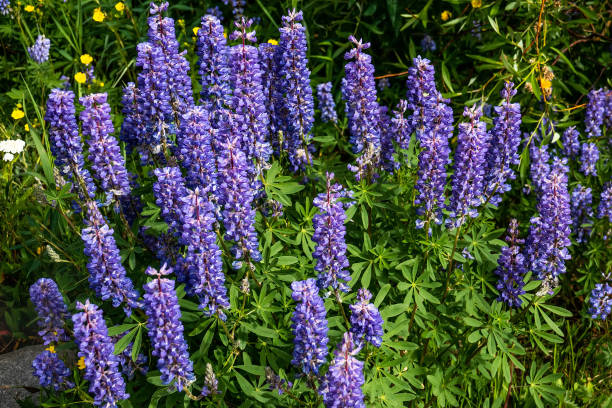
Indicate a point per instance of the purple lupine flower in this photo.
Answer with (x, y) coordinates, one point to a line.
(511, 269)
(96, 347)
(161, 34)
(433, 133)
(39, 52)
(51, 309)
(237, 7)
(601, 301)
(400, 127)
(571, 143)
(298, 98)
(129, 367)
(166, 330)
(213, 54)
(383, 83)
(194, 139)
(203, 258)
(608, 118)
(539, 165)
(211, 384)
(469, 170)
(327, 106)
(605, 203)
(329, 232)
(51, 371)
(236, 195)
(274, 88)
(215, 12)
(422, 95)
(309, 327)
(387, 149)
(428, 44)
(342, 384)
(588, 159)
(107, 276)
(582, 211)
(133, 128)
(366, 320)
(107, 162)
(359, 93)
(65, 140)
(505, 139)
(277, 383)
(247, 101)
(595, 112)
(549, 235)
(168, 191)
(5, 7)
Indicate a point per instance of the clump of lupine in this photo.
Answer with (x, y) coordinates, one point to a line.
(39, 51)
(189, 204)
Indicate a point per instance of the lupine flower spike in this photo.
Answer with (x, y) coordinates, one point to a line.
(571, 142)
(39, 52)
(582, 211)
(366, 321)
(512, 268)
(605, 203)
(51, 371)
(595, 112)
(51, 309)
(327, 106)
(601, 301)
(588, 159)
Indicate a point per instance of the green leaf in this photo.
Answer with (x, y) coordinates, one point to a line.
(137, 344)
(122, 328)
(286, 260)
(124, 341)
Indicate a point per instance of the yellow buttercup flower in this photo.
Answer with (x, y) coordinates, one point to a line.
(101, 83)
(29, 8)
(86, 59)
(476, 3)
(27, 127)
(195, 30)
(119, 6)
(80, 77)
(545, 82)
(51, 348)
(446, 15)
(224, 34)
(17, 114)
(81, 363)
(98, 15)
(272, 41)
(19, 105)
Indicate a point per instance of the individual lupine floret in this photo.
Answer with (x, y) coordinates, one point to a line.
(428, 43)
(39, 52)
(107, 276)
(366, 321)
(433, 158)
(51, 371)
(470, 167)
(5, 7)
(65, 141)
(571, 142)
(582, 211)
(359, 93)
(236, 195)
(298, 97)
(101, 366)
(133, 128)
(216, 12)
(166, 329)
(539, 165)
(588, 159)
(51, 309)
(605, 203)
(309, 327)
(326, 103)
(203, 258)
(342, 384)
(168, 191)
(601, 301)
(277, 383)
(595, 112)
(250, 116)
(400, 126)
(274, 87)
(387, 149)
(195, 150)
(505, 138)
(107, 162)
(161, 34)
(213, 54)
(211, 384)
(511, 269)
(329, 231)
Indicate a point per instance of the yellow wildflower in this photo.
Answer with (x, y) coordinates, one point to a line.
(51, 348)
(29, 8)
(86, 59)
(17, 114)
(224, 34)
(181, 22)
(119, 6)
(80, 77)
(98, 15)
(81, 363)
(101, 83)
(476, 3)
(545, 82)
(272, 41)
(446, 15)
(195, 30)
(27, 127)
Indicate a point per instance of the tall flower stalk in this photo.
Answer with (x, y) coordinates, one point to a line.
(51, 309)
(512, 268)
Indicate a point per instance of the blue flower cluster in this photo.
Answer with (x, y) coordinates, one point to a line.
(571, 142)
(601, 301)
(400, 125)
(309, 327)
(51, 309)
(5, 7)
(366, 321)
(582, 211)
(588, 159)
(327, 106)
(133, 128)
(605, 203)
(512, 268)
(51, 371)
(39, 51)
(387, 137)
(169, 190)
(595, 112)
(539, 165)
(329, 231)
(101, 366)
(195, 138)
(342, 384)
(166, 330)
(270, 60)
(428, 43)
